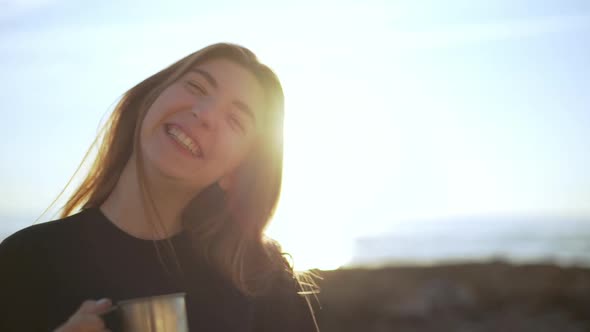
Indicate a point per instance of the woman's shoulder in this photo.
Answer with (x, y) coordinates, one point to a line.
(283, 277)
(288, 301)
(37, 233)
(286, 306)
(28, 263)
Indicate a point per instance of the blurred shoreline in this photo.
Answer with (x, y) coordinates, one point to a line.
(479, 296)
(562, 241)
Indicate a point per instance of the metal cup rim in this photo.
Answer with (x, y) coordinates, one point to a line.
(151, 298)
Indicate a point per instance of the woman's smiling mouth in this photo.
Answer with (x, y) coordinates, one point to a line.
(183, 140)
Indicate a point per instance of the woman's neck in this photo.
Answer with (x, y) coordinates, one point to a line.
(125, 207)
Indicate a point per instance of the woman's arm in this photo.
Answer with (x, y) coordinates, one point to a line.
(21, 284)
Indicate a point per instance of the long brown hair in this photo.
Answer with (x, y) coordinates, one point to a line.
(226, 228)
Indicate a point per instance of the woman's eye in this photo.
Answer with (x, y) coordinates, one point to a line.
(236, 123)
(196, 87)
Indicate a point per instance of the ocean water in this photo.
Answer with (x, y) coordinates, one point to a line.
(563, 241)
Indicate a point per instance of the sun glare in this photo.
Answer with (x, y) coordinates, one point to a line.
(309, 223)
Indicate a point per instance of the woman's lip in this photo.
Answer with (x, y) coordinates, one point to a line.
(181, 148)
(187, 133)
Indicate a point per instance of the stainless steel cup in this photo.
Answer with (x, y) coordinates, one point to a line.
(149, 314)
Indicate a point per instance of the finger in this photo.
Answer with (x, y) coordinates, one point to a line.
(90, 322)
(86, 307)
(94, 307)
(102, 306)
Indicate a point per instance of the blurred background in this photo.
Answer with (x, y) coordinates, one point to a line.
(425, 140)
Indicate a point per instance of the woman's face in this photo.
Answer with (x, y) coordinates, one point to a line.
(203, 125)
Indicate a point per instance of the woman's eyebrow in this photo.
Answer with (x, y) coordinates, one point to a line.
(207, 76)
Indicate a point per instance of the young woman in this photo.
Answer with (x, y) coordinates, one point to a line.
(187, 176)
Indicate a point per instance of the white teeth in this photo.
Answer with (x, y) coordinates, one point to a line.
(182, 138)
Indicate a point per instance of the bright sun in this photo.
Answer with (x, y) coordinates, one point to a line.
(305, 221)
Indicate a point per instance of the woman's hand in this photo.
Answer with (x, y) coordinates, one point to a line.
(87, 318)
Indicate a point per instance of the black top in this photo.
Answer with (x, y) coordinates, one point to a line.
(47, 270)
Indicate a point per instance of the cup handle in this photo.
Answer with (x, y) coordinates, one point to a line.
(112, 319)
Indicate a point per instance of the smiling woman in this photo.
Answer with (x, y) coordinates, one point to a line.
(187, 177)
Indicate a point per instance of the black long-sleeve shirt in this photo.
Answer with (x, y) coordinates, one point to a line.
(47, 270)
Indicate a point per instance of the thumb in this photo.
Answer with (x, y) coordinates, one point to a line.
(102, 306)
(95, 307)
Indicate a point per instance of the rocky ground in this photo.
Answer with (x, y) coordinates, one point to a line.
(464, 298)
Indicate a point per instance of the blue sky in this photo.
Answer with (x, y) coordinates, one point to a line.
(396, 110)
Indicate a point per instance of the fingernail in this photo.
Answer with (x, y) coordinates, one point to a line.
(103, 301)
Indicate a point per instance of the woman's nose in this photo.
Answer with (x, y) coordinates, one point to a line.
(205, 114)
